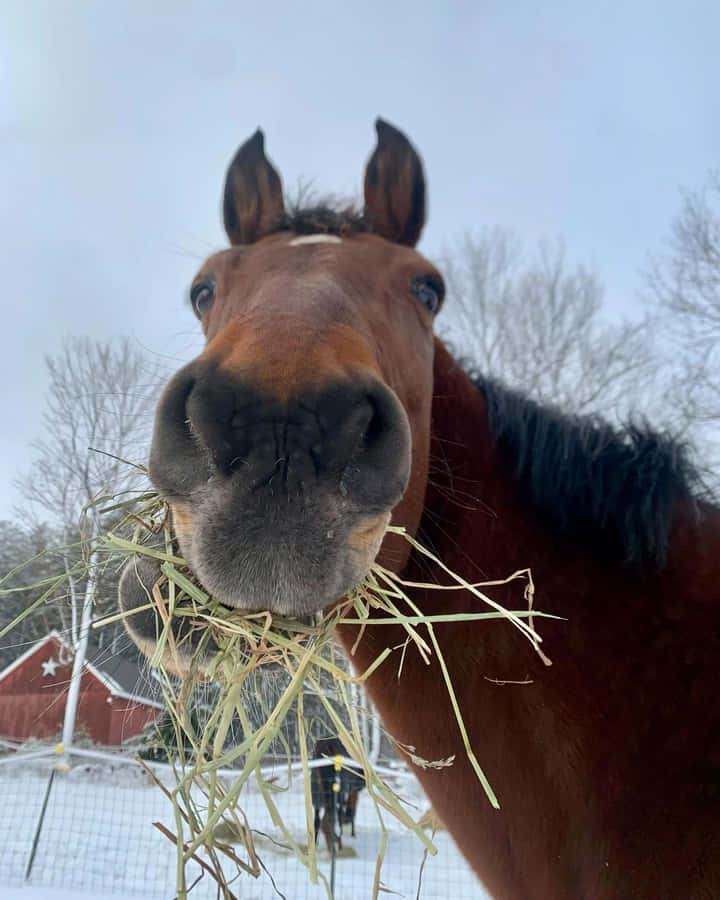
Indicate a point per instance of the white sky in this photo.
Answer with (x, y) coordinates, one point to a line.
(117, 121)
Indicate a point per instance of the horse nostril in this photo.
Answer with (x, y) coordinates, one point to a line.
(375, 427)
(219, 410)
(358, 425)
(376, 463)
(175, 464)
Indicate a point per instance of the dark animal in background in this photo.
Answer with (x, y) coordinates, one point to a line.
(352, 781)
(321, 782)
(321, 790)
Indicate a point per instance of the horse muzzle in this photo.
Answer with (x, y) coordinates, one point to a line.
(279, 505)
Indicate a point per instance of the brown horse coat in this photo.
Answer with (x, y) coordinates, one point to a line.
(321, 405)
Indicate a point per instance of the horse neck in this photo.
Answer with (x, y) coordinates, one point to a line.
(478, 519)
(559, 743)
(478, 523)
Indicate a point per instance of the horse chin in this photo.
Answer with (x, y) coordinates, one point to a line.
(293, 563)
(277, 581)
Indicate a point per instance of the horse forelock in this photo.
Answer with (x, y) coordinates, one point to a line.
(323, 219)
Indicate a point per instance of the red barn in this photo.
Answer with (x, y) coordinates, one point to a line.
(33, 691)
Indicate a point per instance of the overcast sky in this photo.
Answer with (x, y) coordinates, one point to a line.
(117, 121)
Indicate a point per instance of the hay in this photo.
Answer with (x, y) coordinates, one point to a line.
(206, 807)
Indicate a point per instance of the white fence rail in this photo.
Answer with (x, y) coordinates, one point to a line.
(97, 836)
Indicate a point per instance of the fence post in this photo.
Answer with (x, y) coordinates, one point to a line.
(41, 819)
(335, 814)
(80, 653)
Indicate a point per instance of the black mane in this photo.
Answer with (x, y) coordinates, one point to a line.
(614, 488)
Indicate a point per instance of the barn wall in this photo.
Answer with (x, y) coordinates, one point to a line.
(128, 718)
(30, 715)
(33, 704)
(94, 712)
(40, 714)
(28, 678)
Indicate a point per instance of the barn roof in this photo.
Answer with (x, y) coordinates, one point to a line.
(124, 678)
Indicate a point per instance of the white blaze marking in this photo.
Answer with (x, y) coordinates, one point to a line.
(315, 239)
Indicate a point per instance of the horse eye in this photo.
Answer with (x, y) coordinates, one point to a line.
(202, 295)
(429, 291)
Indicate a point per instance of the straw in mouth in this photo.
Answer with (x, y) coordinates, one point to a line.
(233, 647)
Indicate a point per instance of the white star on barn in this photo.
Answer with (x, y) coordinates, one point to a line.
(49, 667)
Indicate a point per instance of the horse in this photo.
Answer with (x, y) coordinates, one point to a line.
(323, 407)
(326, 808)
(350, 783)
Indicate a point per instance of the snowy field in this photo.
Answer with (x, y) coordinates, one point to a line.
(51, 893)
(98, 841)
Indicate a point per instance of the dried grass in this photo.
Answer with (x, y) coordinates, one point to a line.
(205, 805)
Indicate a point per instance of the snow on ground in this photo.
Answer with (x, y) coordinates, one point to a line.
(51, 893)
(98, 841)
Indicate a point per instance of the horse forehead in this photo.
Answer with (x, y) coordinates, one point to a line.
(316, 289)
(284, 274)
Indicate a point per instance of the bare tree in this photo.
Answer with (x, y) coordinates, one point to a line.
(684, 285)
(99, 406)
(27, 559)
(540, 326)
(98, 412)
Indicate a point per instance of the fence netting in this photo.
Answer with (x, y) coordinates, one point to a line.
(97, 836)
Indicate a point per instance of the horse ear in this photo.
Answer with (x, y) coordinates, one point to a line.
(395, 187)
(253, 198)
